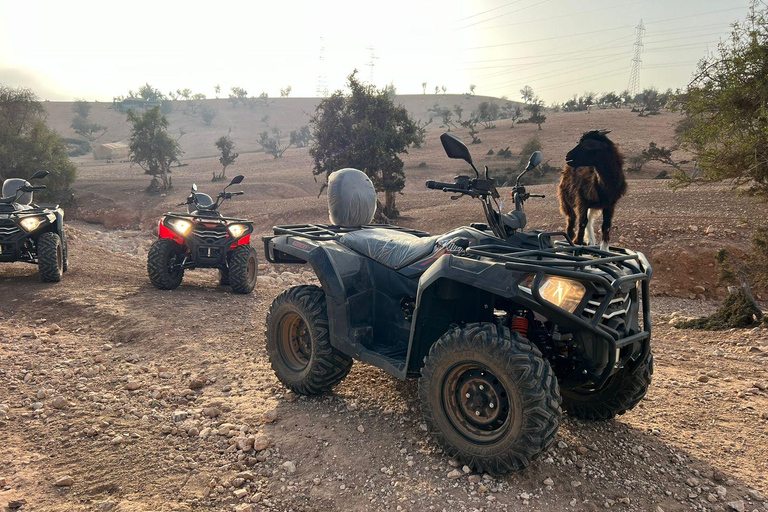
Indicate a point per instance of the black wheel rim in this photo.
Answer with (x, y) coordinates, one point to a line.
(174, 267)
(476, 403)
(294, 342)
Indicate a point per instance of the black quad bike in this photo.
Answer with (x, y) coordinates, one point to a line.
(203, 238)
(500, 325)
(30, 232)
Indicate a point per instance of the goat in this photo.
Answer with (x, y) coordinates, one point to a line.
(592, 180)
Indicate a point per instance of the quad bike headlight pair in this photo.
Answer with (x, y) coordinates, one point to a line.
(560, 291)
(236, 230)
(181, 226)
(31, 223)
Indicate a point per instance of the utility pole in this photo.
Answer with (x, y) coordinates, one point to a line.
(371, 63)
(637, 62)
(322, 86)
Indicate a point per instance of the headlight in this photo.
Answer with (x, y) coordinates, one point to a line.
(180, 226)
(560, 291)
(237, 229)
(31, 223)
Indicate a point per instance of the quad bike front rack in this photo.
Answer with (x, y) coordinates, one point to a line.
(609, 270)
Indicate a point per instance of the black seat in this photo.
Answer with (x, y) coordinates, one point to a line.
(393, 249)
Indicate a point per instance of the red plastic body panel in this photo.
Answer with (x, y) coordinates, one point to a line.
(164, 232)
(246, 240)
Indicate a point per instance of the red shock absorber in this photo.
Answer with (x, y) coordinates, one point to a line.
(520, 325)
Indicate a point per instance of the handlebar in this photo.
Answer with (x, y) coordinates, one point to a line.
(439, 185)
(537, 195)
(33, 188)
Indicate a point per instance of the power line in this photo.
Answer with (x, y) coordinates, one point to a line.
(564, 15)
(501, 15)
(489, 10)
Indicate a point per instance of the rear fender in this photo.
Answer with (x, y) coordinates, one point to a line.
(343, 274)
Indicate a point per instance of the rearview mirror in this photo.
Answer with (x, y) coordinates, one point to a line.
(454, 148)
(535, 160)
(39, 175)
(194, 187)
(237, 179)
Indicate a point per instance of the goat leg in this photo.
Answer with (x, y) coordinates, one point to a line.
(606, 228)
(592, 214)
(581, 212)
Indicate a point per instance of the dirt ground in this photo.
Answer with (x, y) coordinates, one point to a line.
(117, 396)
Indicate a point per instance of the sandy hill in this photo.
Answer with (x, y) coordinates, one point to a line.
(246, 123)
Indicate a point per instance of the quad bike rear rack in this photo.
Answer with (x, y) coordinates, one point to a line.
(327, 232)
(609, 269)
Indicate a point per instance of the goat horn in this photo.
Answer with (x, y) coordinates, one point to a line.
(603, 132)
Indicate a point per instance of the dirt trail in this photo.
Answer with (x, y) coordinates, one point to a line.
(153, 401)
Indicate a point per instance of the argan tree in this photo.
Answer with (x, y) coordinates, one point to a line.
(27, 145)
(284, 93)
(80, 124)
(81, 108)
(89, 131)
(527, 94)
(228, 156)
(367, 131)
(727, 107)
(536, 109)
(152, 148)
(272, 142)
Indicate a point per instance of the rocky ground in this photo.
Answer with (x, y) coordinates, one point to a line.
(117, 396)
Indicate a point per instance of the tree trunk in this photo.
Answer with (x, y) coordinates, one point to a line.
(390, 210)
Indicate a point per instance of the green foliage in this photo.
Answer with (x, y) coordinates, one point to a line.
(207, 114)
(737, 311)
(27, 145)
(727, 104)
(239, 95)
(284, 93)
(89, 131)
(76, 147)
(543, 173)
(152, 148)
(149, 93)
(302, 137)
(421, 133)
(527, 94)
(228, 156)
(487, 113)
(536, 109)
(272, 142)
(445, 113)
(650, 101)
(391, 90)
(654, 153)
(367, 131)
(81, 108)
(511, 111)
(753, 267)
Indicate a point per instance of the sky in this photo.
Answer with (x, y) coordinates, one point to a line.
(97, 50)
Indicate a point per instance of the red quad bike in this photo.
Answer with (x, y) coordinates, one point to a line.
(203, 238)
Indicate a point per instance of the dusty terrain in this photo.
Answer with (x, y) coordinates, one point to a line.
(117, 396)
